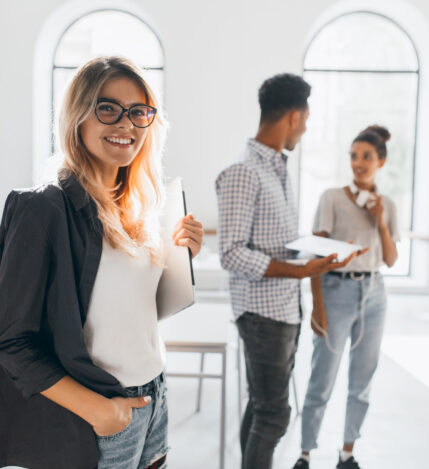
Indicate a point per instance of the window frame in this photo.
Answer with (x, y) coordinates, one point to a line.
(417, 72)
(56, 67)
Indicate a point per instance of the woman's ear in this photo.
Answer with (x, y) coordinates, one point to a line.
(381, 162)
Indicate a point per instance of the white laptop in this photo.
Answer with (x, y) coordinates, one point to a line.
(176, 286)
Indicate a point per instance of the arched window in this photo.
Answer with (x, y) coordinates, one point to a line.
(105, 32)
(364, 69)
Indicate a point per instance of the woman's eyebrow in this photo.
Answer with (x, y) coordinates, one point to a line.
(112, 100)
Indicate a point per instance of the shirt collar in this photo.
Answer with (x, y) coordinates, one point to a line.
(277, 159)
(71, 186)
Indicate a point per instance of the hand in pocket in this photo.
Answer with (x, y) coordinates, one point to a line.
(119, 415)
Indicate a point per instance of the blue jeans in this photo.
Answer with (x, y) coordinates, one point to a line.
(144, 440)
(269, 351)
(342, 298)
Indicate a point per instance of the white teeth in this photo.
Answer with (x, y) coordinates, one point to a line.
(122, 141)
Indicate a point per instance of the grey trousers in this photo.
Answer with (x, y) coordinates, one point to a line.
(269, 350)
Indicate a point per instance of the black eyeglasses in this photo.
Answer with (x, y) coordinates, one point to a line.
(109, 112)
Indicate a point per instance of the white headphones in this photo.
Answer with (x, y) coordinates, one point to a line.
(364, 198)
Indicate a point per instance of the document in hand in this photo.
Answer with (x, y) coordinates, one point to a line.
(176, 285)
(320, 246)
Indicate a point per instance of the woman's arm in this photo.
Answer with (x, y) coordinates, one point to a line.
(107, 416)
(25, 263)
(390, 253)
(319, 322)
(25, 260)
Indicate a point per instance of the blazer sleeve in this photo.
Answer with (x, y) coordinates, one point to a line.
(25, 265)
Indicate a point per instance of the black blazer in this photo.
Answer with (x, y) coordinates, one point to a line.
(50, 249)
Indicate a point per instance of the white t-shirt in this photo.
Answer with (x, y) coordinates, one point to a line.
(344, 220)
(121, 328)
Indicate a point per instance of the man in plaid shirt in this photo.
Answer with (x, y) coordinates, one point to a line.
(257, 217)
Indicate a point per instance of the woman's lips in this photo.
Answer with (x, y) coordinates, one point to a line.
(121, 142)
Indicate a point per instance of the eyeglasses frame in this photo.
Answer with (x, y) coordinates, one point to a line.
(124, 110)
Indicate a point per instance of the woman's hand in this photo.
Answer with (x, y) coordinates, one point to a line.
(119, 414)
(189, 233)
(376, 209)
(319, 321)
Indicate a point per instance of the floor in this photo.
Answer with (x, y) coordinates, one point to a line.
(396, 431)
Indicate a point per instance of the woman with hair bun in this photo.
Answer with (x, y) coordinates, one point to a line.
(350, 302)
(82, 383)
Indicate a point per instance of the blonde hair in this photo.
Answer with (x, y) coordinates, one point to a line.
(130, 211)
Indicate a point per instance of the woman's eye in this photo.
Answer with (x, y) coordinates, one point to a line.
(105, 107)
(139, 112)
(367, 156)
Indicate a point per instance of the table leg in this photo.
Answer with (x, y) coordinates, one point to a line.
(223, 412)
(200, 383)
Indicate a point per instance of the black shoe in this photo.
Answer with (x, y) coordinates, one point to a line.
(351, 463)
(301, 464)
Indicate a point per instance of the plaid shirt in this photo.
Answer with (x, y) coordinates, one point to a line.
(257, 217)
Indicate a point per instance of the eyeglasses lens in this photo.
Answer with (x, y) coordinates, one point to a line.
(140, 116)
(108, 113)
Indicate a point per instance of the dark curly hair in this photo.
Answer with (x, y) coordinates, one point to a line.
(377, 136)
(282, 93)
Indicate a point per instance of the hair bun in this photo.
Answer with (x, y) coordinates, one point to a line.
(379, 130)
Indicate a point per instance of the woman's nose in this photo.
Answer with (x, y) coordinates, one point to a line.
(125, 122)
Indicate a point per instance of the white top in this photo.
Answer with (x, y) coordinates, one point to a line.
(121, 328)
(344, 220)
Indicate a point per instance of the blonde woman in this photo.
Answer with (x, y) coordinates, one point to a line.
(81, 363)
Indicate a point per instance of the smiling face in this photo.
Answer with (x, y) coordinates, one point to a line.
(114, 146)
(365, 163)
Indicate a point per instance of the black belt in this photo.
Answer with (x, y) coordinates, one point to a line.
(352, 275)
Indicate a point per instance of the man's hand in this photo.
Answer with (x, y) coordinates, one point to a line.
(311, 269)
(325, 264)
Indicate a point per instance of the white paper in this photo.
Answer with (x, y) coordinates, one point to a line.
(320, 246)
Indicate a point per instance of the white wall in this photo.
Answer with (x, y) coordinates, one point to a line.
(217, 55)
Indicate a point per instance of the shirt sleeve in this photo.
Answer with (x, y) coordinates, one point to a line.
(325, 214)
(237, 191)
(25, 259)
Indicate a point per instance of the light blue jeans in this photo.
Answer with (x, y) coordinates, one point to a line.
(144, 440)
(342, 298)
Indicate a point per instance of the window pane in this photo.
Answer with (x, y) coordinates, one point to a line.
(154, 78)
(106, 33)
(341, 105)
(361, 41)
(62, 78)
(109, 33)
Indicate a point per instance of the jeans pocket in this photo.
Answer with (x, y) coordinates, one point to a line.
(117, 434)
(330, 281)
